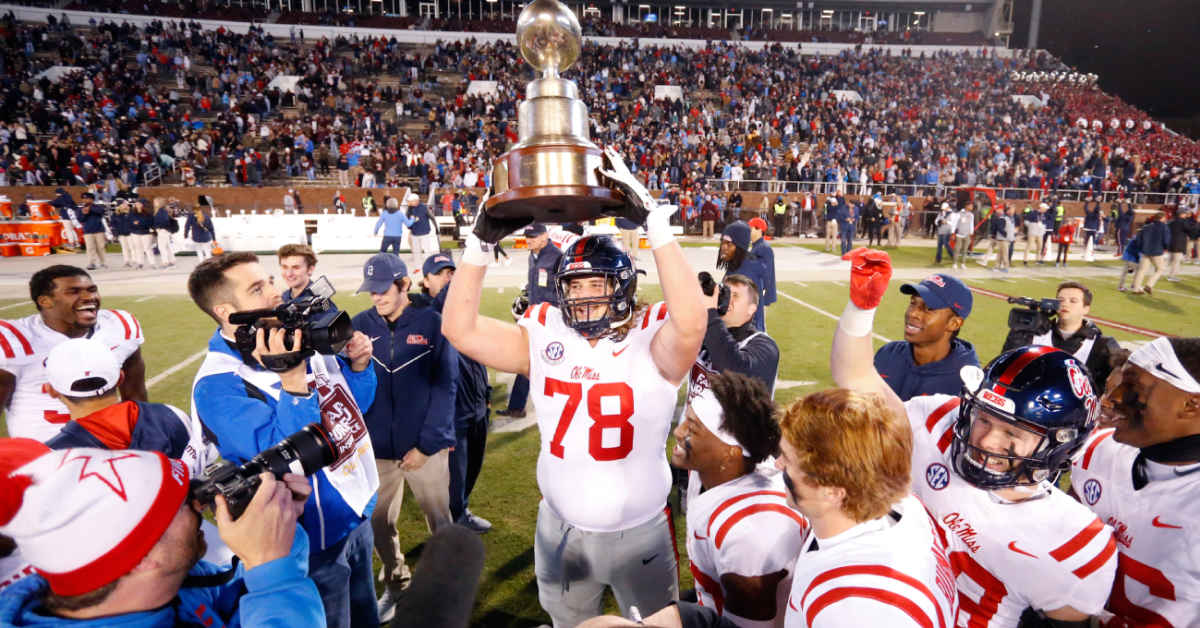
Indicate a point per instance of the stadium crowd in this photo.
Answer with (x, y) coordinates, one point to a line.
(191, 104)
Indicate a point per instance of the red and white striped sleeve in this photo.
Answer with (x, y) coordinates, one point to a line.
(852, 596)
(15, 345)
(756, 533)
(1079, 568)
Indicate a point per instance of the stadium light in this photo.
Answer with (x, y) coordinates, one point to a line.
(918, 13)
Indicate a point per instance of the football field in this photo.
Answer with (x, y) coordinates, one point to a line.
(802, 322)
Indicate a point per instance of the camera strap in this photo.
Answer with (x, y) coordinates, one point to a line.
(221, 578)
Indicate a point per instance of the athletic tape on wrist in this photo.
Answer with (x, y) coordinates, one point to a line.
(658, 229)
(856, 321)
(475, 252)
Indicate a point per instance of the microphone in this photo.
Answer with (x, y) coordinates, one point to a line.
(445, 582)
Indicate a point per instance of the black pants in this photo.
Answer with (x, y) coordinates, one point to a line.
(874, 234)
(390, 242)
(466, 460)
(779, 221)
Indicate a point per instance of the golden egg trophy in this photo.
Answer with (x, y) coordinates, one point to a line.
(550, 173)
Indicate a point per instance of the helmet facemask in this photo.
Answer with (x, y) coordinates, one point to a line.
(604, 313)
(995, 470)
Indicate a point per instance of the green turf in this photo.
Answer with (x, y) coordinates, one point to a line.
(507, 493)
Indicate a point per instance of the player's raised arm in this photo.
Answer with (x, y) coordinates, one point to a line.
(498, 344)
(675, 346)
(852, 359)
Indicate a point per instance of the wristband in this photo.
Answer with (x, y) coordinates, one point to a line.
(475, 252)
(658, 228)
(856, 321)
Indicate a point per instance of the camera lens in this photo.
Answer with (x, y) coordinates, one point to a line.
(302, 453)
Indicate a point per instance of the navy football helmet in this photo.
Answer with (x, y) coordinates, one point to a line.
(1038, 390)
(597, 256)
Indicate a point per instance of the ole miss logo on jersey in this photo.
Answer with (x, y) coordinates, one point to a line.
(937, 475)
(417, 339)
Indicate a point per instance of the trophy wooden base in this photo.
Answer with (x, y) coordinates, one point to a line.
(552, 183)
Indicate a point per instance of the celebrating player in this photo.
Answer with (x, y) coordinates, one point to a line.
(68, 306)
(1139, 474)
(604, 370)
(742, 536)
(984, 464)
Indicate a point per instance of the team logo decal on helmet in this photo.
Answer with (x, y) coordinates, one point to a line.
(597, 316)
(1038, 391)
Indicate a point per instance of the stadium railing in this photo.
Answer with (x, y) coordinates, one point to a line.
(775, 186)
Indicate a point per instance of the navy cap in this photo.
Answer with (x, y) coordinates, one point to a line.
(941, 291)
(436, 262)
(381, 271)
(738, 233)
(534, 230)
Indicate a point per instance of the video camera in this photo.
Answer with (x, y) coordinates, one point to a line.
(708, 285)
(324, 329)
(304, 453)
(1033, 315)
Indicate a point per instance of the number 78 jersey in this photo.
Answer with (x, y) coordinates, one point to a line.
(604, 413)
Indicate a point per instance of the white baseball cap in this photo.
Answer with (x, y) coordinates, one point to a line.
(82, 367)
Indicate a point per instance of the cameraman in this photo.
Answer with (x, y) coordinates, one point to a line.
(1072, 333)
(731, 341)
(132, 557)
(249, 408)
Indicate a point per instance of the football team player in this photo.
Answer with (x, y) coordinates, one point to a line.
(68, 306)
(984, 463)
(1141, 473)
(604, 370)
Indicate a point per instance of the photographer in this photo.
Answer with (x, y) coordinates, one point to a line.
(249, 408)
(1070, 331)
(731, 341)
(131, 557)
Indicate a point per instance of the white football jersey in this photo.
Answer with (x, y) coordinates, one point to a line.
(24, 344)
(995, 544)
(742, 527)
(1157, 530)
(603, 413)
(890, 571)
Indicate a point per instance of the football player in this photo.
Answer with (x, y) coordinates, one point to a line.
(984, 464)
(604, 370)
(68, 306)
(743, 538)
(1140, 473)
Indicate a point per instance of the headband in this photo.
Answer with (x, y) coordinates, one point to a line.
(1158, 358)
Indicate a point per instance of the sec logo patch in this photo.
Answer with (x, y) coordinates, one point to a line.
(1092, 491)
(553, 353)
(937, 475)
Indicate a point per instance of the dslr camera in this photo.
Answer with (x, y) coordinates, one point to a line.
(708, 285)
(323, 328)
(1032, 315)
(303, 453)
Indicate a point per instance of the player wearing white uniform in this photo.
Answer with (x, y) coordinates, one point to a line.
(742, 538)
(605, 370)
(1142, 477)
(984, 464)
(68, 305)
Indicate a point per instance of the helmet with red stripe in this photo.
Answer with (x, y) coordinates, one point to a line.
(1024, 421)
(596, 316)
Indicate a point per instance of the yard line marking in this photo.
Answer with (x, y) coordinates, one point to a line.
(174, 369)
(146, 298)
(823, 312)
(1178, 294)
(802, 285)
(1035, 279)
(12, 305)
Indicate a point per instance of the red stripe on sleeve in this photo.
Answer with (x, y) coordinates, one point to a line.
(941, 411)
(1087, 455)
(733, 500)
(528, 312)
(124, 322)
(1097, 562)
(909, 607)
(662, 311)
(944, 441)
(7, 348)
(137, 327)
(25, 346)
(646, 318)
(1068, 549)
(754, 509)
(542, 313)
(711, 586)
(873, 570)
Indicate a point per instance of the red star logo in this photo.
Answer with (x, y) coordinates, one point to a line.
(109, 476)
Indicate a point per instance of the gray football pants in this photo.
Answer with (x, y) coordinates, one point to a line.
(574, 566)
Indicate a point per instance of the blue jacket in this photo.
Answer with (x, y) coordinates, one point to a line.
(274, 594)
(244, 422)
(393, 223)
(119, 224)
(1132, 252)
(766, 256)
(140, 224)
(895, 364)
(135, 424)
(1154, 238)
(92, 217)
(163, 219)
(473, 393)
(199, 232)
(753, 268)
(1091, 216)
(417, 371)
(421, 220)
(543, 267)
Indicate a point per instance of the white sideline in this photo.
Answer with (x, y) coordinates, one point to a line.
(823, 312)
(12, 305)
(174, 369)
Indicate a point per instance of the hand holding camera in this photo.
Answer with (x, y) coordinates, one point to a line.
(264, 532)
(716, 296)
(274, 348)
(358, 352)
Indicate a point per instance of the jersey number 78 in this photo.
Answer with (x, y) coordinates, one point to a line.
(600, 420)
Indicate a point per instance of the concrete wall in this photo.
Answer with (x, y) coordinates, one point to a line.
(959, 21)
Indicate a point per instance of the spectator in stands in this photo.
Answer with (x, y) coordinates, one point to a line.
(929, 358)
